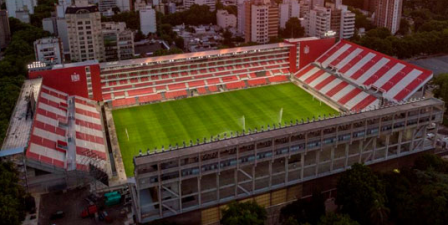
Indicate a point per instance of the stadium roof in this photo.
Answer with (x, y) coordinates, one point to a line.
(397, 80)
(131, 62)
(61, 143)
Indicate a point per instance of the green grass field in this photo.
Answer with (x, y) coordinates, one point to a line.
(173, 122)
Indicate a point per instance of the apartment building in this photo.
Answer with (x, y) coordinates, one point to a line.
(210, 3)
(287, 10)
(318, 22)
(49, 50)
(148, 20)
(84, 32)
(388, 14)
(14, 6)
(224, 19)
(261, 21)
(118, 41)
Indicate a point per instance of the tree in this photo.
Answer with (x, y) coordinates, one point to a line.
(304, 210)
(139, 36)
(179, 41)
(360, 192)
(404, 27)
(12, 196)
(293, 28)
(243, 213)
(337, 219)
(441, 89)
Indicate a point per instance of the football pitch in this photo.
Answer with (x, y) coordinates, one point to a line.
(188, 119)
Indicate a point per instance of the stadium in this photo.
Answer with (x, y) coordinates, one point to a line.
(190, 132)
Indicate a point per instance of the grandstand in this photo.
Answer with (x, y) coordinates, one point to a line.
(67, 135)
(180, 76)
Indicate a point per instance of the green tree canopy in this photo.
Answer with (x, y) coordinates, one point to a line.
(304, 210)
(337, 219)
(12, 196)
(293, 29)
(244, 213)
(441, 89)
(361, 194)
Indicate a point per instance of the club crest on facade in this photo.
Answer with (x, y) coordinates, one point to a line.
(306, 50)
(75, 77)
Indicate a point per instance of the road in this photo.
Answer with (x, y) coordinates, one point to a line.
(437, 65)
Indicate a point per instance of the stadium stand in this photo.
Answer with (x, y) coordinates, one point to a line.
(182, 76)
(395, 79)
(56, 143)
(338, 90)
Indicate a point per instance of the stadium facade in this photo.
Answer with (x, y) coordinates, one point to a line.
(67, 134)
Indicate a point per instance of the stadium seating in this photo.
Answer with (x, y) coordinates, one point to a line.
(52, 144)
(338, 90)
(183, 76)
(397, 80)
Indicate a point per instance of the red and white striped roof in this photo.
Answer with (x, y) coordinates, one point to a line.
(397, 80)
(51, 128)
(338, 90)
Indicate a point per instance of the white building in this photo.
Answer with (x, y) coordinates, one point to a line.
(225, 20)
(13, 6)
(61, 7)
(171, 7)
(347, 23)
(148, 20)
(318, 22)
(49, 50)
(287, 10)
(139, 5)
(84, 32)
(241, 17)
(104, 5)
(210, 3)
(124, 5)
(259, 24)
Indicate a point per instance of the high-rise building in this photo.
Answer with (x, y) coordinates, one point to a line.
(318, 22)
(342, 20)
(118, 41)
(49, 50)
(241, 16)
(139, 4)
(287, 10)
(61, 7)
(210, 3)
(333, 19)
(224, 19)
(84, 32)
(104, 5)
(388, 14)
(261, 21)
(50, 24)
(5, 31)
(13, 6)
(124, 5)
(148, 20)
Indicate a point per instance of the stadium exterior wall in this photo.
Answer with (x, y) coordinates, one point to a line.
(79, 80)
(206, 175)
